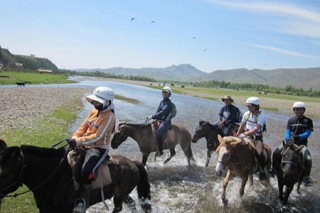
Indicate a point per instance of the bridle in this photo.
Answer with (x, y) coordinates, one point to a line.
(18, 182)
(226, 164)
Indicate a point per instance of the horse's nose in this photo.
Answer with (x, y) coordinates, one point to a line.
(193, 140)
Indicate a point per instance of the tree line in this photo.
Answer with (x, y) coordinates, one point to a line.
(288, 90)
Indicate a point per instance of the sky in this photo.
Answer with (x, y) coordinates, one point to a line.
(210, 35)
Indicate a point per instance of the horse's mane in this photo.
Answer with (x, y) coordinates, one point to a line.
(42, 151)
(235, 140)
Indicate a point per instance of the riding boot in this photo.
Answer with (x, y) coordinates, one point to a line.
(261, 161)
(83, 202)
(160, 144)
(276, 161)
(307, 161)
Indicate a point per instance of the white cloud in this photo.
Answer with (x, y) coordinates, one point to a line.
(300, 20)
(279, 50)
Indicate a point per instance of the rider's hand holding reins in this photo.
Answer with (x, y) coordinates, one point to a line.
(72, 143)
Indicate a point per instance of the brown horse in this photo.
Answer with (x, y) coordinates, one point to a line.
(47, 173)
(210, 132)
(143, 135)
(291, 170)
(239, 157)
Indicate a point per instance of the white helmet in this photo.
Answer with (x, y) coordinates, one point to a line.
(167, 89)
(253, 100)
(299, 104)
(101, 95)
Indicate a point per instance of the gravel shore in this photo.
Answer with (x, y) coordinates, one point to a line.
(20, 106)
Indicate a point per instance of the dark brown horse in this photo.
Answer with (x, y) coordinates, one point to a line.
(142, 134)
(291, 171)
(46, 172)
(238, 156)
(210, 132)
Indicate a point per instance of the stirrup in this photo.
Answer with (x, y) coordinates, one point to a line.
(79, 206)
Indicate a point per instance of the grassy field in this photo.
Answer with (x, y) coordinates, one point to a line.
(10, 77)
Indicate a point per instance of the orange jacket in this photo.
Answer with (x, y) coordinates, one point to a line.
(96, 131)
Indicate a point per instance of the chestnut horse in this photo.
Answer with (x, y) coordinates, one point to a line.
(143, 135)
(291, 171)
(238, 156)
(47, 173)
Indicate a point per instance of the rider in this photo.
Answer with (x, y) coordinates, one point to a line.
(94, 134)
(252, 122)
(299, 128)
(163, 116)
(228, 115)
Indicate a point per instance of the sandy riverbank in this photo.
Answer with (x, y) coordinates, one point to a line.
(20, 106)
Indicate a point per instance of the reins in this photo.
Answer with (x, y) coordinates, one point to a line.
(41, 184)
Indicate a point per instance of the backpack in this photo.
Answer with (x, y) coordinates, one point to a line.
(173, 110)
(264, 127)
(239, 115)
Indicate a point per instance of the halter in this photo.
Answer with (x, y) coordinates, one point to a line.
(231, 157)
(18, 182)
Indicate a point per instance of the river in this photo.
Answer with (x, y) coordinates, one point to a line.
(177, 188)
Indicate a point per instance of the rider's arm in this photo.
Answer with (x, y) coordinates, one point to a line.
(288, 134)
(241, 127)
(306, 134)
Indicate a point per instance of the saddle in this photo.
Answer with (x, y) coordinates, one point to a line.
(170, 135)
(102, 176)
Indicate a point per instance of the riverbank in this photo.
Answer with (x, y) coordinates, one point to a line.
(273, 102)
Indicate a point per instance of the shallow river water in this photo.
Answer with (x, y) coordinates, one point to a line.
(177, 188)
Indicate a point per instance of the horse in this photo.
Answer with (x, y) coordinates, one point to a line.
(48, 175)
(143, 135)
(291, 171)
(210, 132)
(239, 156)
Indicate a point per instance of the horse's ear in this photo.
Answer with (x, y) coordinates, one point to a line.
(3, 144)
(220, 138)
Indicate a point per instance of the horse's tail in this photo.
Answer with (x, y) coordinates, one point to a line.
(190, 154)
(143, 187)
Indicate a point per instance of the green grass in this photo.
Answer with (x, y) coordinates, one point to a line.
(12, 77)
(42, 132)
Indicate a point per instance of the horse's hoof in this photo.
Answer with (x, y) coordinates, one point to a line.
(224, 201)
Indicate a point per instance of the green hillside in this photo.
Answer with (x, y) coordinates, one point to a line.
(9, 60)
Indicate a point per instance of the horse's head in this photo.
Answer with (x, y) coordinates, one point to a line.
(210, 132)
(119, 136)
(292, 161)
(11, 167)
(224, 152)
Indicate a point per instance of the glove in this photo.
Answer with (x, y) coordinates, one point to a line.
(242, 135)
(72, 143)
(296, 137)
(149, 117)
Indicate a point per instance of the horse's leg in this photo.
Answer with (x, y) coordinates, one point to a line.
(117, 201)
(130, 203)
(145, 158)
(209, 152)
(224, 185)
(280, 187)
(243, 185)
(286, 194)
(172, 153)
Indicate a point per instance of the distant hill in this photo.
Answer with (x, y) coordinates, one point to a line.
(299, 78)
(183, 72)
(10, 60)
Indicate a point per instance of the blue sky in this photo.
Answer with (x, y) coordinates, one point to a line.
(210, 35)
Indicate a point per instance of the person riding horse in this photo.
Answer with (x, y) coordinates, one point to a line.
(252, 122)
(298, 129)
(163, 116)
(228, 116)
(95, 135)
